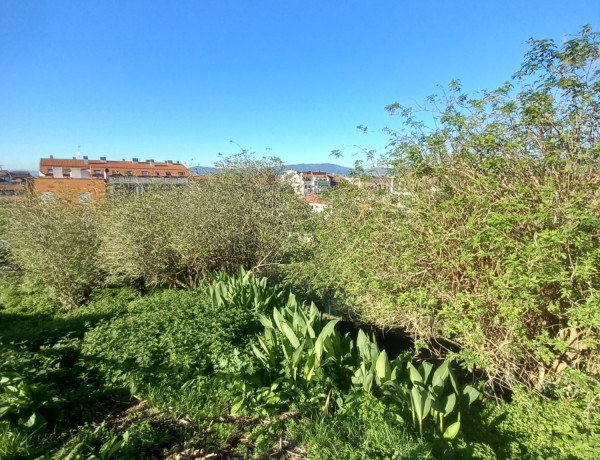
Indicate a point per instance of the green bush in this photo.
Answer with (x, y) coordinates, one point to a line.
(56, 246)
(488, 248)
(304, 364)
(242, 216)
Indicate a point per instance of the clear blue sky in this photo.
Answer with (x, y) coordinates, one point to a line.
(292, 78)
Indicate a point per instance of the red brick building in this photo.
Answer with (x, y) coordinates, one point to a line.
(85, 181)
(104, 169)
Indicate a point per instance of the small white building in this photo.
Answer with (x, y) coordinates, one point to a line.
(315, 203)
(309, 182)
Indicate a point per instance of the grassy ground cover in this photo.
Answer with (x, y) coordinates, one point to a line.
(182, 374)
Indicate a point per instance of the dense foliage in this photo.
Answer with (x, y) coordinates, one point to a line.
(485, 249)
(176, 236)
(489, 246)
(243, 216)
(57, 247)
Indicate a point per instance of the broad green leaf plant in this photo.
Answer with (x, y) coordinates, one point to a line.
(298, 349)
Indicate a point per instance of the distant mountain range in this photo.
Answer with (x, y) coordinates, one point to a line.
(325, 167)
(202, 170)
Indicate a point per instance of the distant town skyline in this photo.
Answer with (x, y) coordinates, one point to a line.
(189, 80)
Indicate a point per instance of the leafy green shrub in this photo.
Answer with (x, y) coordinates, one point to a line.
(297, 342)
(244, 290)
(489, 240)
(302, 362)
(307, 361)
(243, 216)
(57, 247)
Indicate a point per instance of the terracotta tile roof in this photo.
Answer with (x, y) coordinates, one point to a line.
(312, 198)
(316, 174)
(120, 167)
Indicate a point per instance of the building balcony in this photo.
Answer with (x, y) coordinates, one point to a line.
(147, 180)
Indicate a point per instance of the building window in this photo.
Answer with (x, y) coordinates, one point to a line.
(128, 174)
(67, 172)
(85, 197)
(49, 172)
(168, 174)
(145, 174)
(115, 173)
(157, 174)
(97, 173)
(181, 174)
(48, 197)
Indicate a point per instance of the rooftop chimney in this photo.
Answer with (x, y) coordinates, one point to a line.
(103, 159)
(51, 156)
(152, 163)
(135, 160)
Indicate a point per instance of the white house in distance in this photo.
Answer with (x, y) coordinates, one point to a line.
(310, 182)
(316, 204)
(308, 185)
